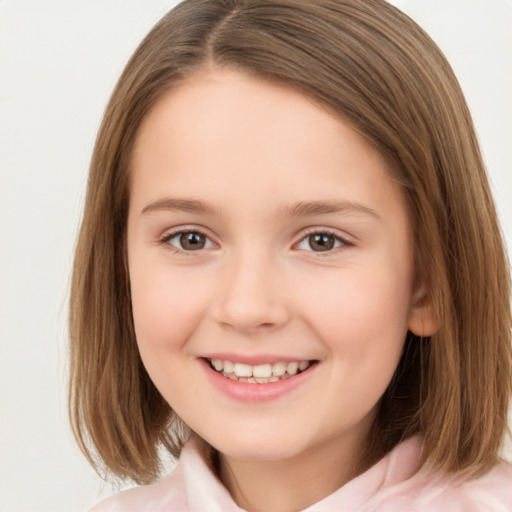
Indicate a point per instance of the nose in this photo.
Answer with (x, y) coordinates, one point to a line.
(252, 298)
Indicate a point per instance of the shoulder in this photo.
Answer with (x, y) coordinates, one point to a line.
(192, 486)
(491, 492)
(431, 493)
(157, 497)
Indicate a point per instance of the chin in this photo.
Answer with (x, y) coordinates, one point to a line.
(263, 447)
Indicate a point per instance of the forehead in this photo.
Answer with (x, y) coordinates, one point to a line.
(238, 139)
(210, 104)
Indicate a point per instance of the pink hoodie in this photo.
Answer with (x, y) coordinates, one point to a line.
(389, 486)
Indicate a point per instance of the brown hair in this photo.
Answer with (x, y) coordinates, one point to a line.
(370, 64)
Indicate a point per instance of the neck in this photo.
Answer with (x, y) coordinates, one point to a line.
(292, 484)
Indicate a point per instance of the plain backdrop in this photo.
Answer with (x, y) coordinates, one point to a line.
(59, 60)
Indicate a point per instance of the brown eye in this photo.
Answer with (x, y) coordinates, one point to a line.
(321, 242)
(192, 241)
(189, 241)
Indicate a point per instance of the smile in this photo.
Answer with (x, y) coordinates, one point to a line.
(259, 374)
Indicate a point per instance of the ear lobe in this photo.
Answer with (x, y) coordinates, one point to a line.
(423, 320)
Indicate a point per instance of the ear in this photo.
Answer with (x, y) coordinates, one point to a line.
(423, 320)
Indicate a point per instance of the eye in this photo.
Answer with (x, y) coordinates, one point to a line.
(321, 242)
(188, 240)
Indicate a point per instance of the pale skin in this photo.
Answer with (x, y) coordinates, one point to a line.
(303, 251)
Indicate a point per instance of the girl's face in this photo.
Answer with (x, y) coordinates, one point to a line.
(266, 235)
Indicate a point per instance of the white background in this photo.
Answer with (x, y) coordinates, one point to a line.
(59, 60)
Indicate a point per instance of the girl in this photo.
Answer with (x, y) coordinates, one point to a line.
(289, 273)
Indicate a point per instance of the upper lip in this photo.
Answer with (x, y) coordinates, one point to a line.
(255, 359)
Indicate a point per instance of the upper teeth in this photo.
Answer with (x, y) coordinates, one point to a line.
(261, 370)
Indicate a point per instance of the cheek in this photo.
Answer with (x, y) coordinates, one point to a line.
(362, 318)
(166, 310)
(364, 334)
(359, 300)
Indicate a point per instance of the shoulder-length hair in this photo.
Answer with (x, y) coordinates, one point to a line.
(376, 69)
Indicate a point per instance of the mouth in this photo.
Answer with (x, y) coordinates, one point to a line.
(259, 374)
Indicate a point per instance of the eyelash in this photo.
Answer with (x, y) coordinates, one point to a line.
(344, 243)
(165, 239)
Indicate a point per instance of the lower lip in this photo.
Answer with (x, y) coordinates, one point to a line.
(250, 392)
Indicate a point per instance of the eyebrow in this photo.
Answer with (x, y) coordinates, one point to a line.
(184, 205)
(300, 209)
(310, 208)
